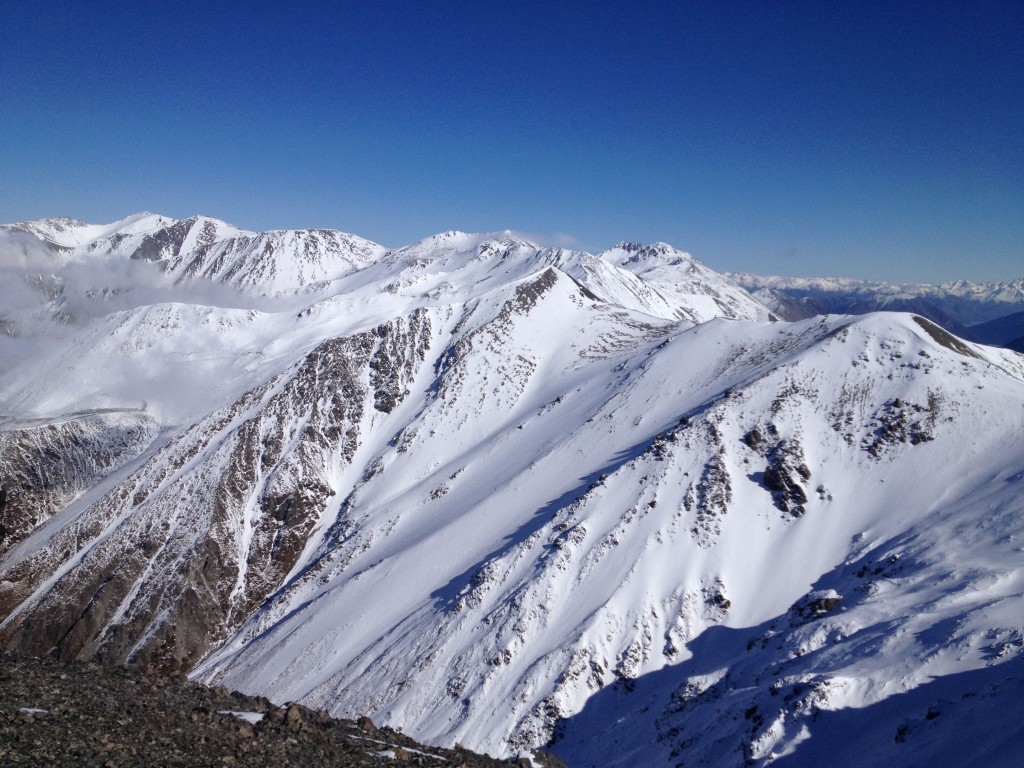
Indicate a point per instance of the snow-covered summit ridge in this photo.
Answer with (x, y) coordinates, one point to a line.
(268, 263)
(654, 279)
(653, 254)
(186, 314)
(494, 493)
(71, 233)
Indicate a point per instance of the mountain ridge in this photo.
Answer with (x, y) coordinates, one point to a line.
(960, 306)
(476, 488)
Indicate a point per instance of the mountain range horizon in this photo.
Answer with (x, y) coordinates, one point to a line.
(619, 506)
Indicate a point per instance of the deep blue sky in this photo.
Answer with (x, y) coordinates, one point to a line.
(881, 140)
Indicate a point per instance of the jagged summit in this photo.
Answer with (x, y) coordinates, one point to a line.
(501, 495)
(654, 279)
(637, 253)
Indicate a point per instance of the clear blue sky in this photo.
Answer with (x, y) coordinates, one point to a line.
(870, 139)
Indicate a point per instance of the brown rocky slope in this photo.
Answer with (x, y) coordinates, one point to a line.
(86, 714)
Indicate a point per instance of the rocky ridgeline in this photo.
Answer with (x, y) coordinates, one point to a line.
(55, 713)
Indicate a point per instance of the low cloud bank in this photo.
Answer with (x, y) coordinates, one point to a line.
(54, 303)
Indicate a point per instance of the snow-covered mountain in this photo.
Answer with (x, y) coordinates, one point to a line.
(500, 495)
(268, 263)
(960, 306)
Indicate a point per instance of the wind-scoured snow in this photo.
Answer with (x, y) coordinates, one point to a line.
(502, 495)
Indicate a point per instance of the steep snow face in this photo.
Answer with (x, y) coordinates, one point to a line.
(695, 292)
(192, 539)
(275, 263)
(498, 494)
(712, 483)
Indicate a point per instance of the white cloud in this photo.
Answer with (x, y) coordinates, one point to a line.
(552, 239)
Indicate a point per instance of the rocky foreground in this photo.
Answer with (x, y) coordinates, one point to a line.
(87, 714)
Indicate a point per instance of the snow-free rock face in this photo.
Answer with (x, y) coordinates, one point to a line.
(500, 495)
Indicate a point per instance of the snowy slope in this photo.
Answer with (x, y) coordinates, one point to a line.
(498, 494)
(697, 292)
(268, 263)
(591, 582)
(71, 234)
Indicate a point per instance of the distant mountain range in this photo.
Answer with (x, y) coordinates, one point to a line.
(510, 496)
(991, 313)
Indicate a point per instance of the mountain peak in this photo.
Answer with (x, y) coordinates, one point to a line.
(497, 495)
(649, 255)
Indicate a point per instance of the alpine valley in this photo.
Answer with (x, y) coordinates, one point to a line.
(509, 496)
